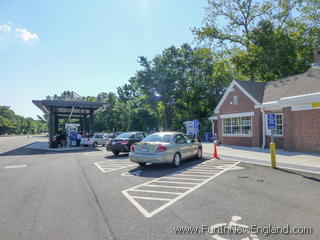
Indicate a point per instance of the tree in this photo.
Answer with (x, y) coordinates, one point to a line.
(10, 123)
(265, 40)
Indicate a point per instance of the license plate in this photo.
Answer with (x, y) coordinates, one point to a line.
(113, 143)
(144, 149)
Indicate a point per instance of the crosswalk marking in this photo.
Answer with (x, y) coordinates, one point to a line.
(179, 182)
(183, 178)
(150, 198)
(151, 191)
(113, 165)
(164, 186)
(199, 174)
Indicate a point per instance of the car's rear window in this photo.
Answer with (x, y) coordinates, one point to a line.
(125, 135)
(157, 138)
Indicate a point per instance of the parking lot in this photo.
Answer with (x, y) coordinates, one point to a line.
(92, 194)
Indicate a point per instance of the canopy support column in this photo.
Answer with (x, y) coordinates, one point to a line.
(56, 124)
(51, 127)
(91, 121)
(85, 125)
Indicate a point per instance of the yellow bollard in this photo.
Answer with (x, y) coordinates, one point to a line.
(273, 154)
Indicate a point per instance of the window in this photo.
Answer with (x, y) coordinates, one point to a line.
(180, 139)
(157, 137)
(237, 126)
(139, 136)
(279, 126)
(235, 100)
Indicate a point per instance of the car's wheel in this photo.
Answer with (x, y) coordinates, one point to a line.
(176, 160)
(116, 153)
(142, 164)
(199, 153)
(95, 144)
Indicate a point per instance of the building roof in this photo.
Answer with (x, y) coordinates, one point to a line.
(66, 108)
(255, 89)
(300, 84)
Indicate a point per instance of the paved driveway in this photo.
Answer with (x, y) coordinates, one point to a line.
(94, 195)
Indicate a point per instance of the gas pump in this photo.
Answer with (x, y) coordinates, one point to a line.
(71, 131)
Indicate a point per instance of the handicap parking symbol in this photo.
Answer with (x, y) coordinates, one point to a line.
(233, 224)
(131, 174)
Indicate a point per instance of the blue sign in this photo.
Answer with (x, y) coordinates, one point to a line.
(196, 126)
(271, 121)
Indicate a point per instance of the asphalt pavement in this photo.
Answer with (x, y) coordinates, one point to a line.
(93, 195)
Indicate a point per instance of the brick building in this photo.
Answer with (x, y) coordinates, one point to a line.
(240, 116)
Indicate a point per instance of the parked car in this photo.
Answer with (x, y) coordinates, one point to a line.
(113, 135)
(94, 140)
(165, 147)
(59, 140)
(124, 141)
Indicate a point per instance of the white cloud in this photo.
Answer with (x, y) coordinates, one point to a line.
(24, 34)
(5, 28)
(21, 33)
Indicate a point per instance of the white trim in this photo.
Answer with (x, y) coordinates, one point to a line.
(243, 114)
(303, 107)
(213, 118)
(291, 101)
(312, 97)
(230, 89)
(237, 135)
(263, 128)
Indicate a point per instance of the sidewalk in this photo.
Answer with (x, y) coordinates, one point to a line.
(289, 160)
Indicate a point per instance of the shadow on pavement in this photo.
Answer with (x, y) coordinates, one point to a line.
(120, 156)
(27, 151)
(160, 170)
(300, 174)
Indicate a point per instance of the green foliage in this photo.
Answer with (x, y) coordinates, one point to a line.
(10, 123)
(266, 40)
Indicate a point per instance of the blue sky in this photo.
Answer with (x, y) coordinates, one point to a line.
(50, 46)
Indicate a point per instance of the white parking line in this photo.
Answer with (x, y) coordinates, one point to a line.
(179, 182)
(214, 169)
(164, 186)
(15, 166)
(112, 165)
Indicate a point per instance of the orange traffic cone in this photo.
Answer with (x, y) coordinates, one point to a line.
(215, 152)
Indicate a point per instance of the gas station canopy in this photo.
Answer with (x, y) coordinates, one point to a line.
(76, 109)
(68, 108)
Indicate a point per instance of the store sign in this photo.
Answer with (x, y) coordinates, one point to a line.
(196, 126)
(192, 127)
(189, 127)
(307, 106)
(271, 121)
(315, 105)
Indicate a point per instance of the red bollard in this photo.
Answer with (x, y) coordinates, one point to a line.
(215, 152)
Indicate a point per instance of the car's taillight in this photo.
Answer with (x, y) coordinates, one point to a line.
(132, 148)
(161, 148)
(54, 139)
(124, 142)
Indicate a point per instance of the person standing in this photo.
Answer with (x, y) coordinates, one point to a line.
(78, 139)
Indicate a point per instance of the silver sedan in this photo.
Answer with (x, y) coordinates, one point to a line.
(165, 147)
